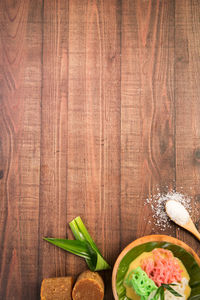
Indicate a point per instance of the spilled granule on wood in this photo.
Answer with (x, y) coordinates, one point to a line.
(157, 204)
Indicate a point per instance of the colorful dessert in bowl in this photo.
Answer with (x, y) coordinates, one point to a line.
(157, 267)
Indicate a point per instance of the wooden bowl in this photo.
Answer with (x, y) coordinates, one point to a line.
(143, 240)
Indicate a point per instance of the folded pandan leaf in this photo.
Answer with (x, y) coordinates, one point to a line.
(187, 259)
(81, 234)
(83, 246)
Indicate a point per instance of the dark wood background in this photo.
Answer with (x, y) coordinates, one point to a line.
(99, 107)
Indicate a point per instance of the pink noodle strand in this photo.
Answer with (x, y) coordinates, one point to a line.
(162, 267)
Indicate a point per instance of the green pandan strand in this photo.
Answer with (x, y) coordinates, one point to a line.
(141, 283)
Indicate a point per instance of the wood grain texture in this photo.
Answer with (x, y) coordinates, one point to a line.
(20, 89)
(99, 109)
(187, 91)
(94, 122)
(147, 110)
(53, 113)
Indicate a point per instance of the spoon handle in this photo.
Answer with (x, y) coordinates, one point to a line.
(192, 228)
(197, 234)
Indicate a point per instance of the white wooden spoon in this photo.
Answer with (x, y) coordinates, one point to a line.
(178, 214)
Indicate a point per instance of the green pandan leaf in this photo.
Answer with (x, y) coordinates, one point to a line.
(80, 232)
(83, 246)
(162, 296)
(171, 290)
(73, 246)
(159, 293)
(187, 259)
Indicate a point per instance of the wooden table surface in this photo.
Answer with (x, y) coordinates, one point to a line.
(100, 108)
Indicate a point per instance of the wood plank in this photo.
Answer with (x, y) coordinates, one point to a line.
(20, 86)
(94, 123)
(147, 110)
(52, 261)
(110, 139)
(76, 138)
(187, 93)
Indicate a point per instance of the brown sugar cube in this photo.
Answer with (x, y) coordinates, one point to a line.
(59, 288)
(89, 286)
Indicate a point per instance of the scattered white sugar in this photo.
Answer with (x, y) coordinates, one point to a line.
(177, 212)
(157, 204)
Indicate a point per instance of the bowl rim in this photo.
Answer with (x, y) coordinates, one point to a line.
(144, 240)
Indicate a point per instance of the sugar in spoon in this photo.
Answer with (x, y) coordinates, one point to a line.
(178, 214)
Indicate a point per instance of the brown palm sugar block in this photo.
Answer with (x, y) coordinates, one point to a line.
(59, 288)
(89, 286)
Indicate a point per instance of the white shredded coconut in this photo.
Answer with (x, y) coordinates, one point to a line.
(177, 212)
(179, 287)
(157, 204)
